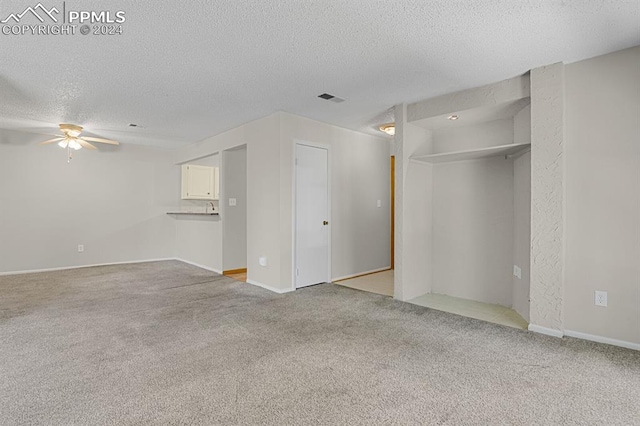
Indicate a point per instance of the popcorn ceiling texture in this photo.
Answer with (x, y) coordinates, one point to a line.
(547, 145)
(185, 71)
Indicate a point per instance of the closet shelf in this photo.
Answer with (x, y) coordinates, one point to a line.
(471, 154)
(194, 213)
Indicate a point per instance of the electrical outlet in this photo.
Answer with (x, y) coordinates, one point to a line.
(517, 272)
(232, 202)
(80, 248)
(601, 298)
(262, 261)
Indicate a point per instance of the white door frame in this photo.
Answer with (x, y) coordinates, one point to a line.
(295, 143)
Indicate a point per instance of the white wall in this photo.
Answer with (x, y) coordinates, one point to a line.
(360, 175)
(522, 126)
(234, 218)
(522, 214)
(113, 201)
(603, 195)
(199, 238)
(414, 222)
(473, 219)
(522, 232)
(482, 135)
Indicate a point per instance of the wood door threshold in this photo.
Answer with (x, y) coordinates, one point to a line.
(234, 271)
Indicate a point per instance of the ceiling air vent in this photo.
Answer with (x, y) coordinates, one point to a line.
(332, 98)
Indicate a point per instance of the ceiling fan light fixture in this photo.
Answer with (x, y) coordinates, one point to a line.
(69, 143)
(389, 128)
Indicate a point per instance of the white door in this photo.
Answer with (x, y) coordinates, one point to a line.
(312, 216)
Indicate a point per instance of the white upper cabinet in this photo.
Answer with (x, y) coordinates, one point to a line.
(200, 182)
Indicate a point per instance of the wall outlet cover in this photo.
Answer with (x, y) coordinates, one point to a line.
(232, 202)
(517, 272)
(262, 261)
(601, 298)
(80, 248)
(379, 203)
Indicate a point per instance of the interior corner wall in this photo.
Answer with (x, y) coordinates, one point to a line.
(522, 214)
(418, 229)
(473, 219)
(199, 238)
(522, 126)
(603, 195)
(262, 138)
(113, 201)
(413, 212)
(360, 175)
(234, 218)
(522, 233)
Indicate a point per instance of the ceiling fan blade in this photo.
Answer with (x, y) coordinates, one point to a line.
(51, 134)
(51, 141)
(101, 140)
(85, 144)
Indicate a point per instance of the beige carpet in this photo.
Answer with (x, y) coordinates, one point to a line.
(168, 343)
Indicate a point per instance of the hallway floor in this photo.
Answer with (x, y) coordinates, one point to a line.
(379, 283)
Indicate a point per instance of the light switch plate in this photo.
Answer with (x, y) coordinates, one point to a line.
(379, 203)
(262, 261)
(517, 272)
(232, 201)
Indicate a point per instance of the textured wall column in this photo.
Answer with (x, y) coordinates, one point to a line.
(547, 199)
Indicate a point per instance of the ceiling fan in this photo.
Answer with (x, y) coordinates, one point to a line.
(71, 139)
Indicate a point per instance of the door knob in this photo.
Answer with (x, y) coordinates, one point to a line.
(324, 222)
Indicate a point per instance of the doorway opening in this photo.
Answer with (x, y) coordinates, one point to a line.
(233, 210)
(380, 282)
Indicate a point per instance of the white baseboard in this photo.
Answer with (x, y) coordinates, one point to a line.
(545, 330)
(600, 339)
(65, 268)
(268, 287)
(359, 274)
(208, 268)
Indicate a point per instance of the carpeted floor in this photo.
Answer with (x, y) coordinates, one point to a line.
(168, 343)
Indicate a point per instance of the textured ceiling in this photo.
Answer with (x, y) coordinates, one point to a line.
(187, 70)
